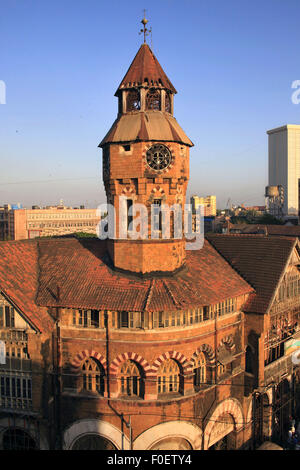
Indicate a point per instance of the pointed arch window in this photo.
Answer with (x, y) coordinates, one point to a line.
(133, 102)
(168, 103)
(92, 376)
(221, 369)
(131, 380)
(153, 99)
(168, 377)
(199, 370)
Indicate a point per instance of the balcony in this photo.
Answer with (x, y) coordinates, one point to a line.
(286, 305)
(13, 335)
(277, 369)
(13, 403)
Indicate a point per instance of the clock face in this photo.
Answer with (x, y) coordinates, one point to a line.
(158, 157)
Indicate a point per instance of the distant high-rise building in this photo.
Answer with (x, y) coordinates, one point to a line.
(4, 222)
(209, 203)
(284, 171)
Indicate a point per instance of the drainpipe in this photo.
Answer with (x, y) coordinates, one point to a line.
(57, 381)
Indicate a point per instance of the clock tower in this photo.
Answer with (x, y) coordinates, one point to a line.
(145, 162)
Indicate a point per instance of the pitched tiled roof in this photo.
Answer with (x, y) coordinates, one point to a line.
(146, 126)
(267, 229)
(145, 69)
(19, 280)
(260, 259)
(76, 273)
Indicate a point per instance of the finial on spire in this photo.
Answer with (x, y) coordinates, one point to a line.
(145, 30)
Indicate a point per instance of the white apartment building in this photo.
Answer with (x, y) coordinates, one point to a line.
(284, 171)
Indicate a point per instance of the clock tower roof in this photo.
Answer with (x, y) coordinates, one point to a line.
(145, 70)
(146, 126)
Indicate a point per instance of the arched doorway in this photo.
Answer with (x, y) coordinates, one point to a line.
(94, 427)
(222, 436)
(282, 410)
(171, 435)
(223, 426)
(172, 443)
(93, 442)
(17, 439)
(262, 419)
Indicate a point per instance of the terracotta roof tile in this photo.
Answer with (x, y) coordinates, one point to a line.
(19, 280)
(77, 274)
(259, 259)
(267, 229)
(145, 68)
(69, 263)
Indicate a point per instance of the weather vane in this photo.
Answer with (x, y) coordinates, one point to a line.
(145, 30)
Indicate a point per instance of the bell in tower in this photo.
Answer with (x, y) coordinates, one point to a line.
(145, 162)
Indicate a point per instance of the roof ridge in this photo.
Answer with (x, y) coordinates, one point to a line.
(232, 266)
(145, 65)
(149, 294)
(169, 291)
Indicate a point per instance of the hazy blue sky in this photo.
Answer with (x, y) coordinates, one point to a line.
(232, 62)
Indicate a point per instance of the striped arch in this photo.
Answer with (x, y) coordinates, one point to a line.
(114, 366)
(158, 191)
(229, 406)
(129, 192)
(207, 350)
(77, 361)
(177, 356)
(228, 342)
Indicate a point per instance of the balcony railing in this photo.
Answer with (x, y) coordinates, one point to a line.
(13, 335)
(11, 403)
(278, 368)
(286, 305)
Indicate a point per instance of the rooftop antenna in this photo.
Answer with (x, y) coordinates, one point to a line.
(145, 30)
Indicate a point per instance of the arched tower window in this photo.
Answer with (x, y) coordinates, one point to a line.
(153, 99)
(168, 103)
(168, 377)
(131, 380)
(199, 370)
(133, 102)
(92, 376)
